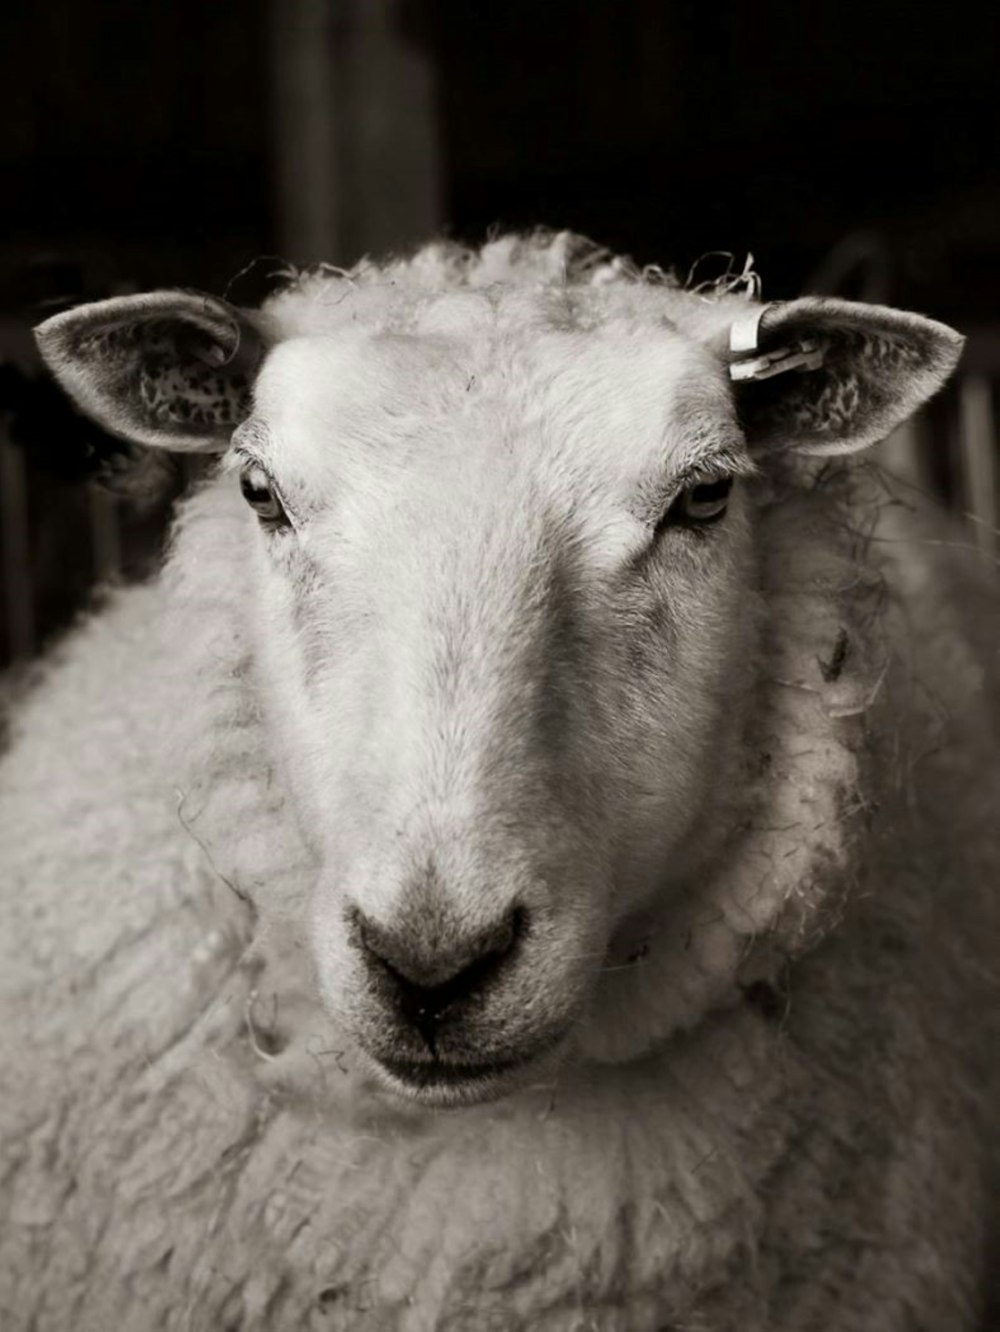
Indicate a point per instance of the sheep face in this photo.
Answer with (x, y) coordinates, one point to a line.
(502, 596)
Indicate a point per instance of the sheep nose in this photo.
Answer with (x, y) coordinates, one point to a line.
(423, 975)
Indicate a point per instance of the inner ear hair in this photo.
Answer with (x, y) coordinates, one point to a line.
(171, 369)
(825, 376)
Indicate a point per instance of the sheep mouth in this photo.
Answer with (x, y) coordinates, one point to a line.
(435, 1076)
(440, 1083)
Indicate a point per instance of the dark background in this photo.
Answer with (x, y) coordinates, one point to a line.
(142, 136)
(851, 147)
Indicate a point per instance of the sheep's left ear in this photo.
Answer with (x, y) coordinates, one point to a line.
(825, 376)
(168, 369)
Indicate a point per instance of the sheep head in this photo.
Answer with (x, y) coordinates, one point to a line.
(506, 609)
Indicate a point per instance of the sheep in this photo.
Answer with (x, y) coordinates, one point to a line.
(528, 861)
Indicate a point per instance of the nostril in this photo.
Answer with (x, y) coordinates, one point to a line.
(499, 940)
(430, 972)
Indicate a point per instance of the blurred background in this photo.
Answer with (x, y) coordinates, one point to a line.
(851, 148)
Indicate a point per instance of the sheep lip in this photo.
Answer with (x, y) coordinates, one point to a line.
(434, 1075)
(452, 1083)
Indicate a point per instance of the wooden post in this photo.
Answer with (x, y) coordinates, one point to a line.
(355, 147)
(978, 443)
(105, 534)
(15, 551)
(306, 178)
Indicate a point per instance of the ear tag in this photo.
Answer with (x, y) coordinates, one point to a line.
(806, 354)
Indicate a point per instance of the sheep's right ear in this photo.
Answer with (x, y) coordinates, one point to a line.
(170, 369)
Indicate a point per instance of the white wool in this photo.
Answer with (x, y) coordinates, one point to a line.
(768, 1113)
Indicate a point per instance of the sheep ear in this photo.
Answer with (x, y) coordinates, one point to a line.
(171, 369)
(825, 376)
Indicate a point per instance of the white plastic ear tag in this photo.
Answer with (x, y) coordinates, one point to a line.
(744, 340)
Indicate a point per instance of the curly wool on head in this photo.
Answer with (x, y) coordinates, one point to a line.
(586, 285)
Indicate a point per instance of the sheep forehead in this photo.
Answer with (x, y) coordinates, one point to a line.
(609, 403)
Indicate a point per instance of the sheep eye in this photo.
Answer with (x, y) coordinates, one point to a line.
(700, 504)
(259, 492)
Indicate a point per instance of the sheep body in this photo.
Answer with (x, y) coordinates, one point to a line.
(187, 1143)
